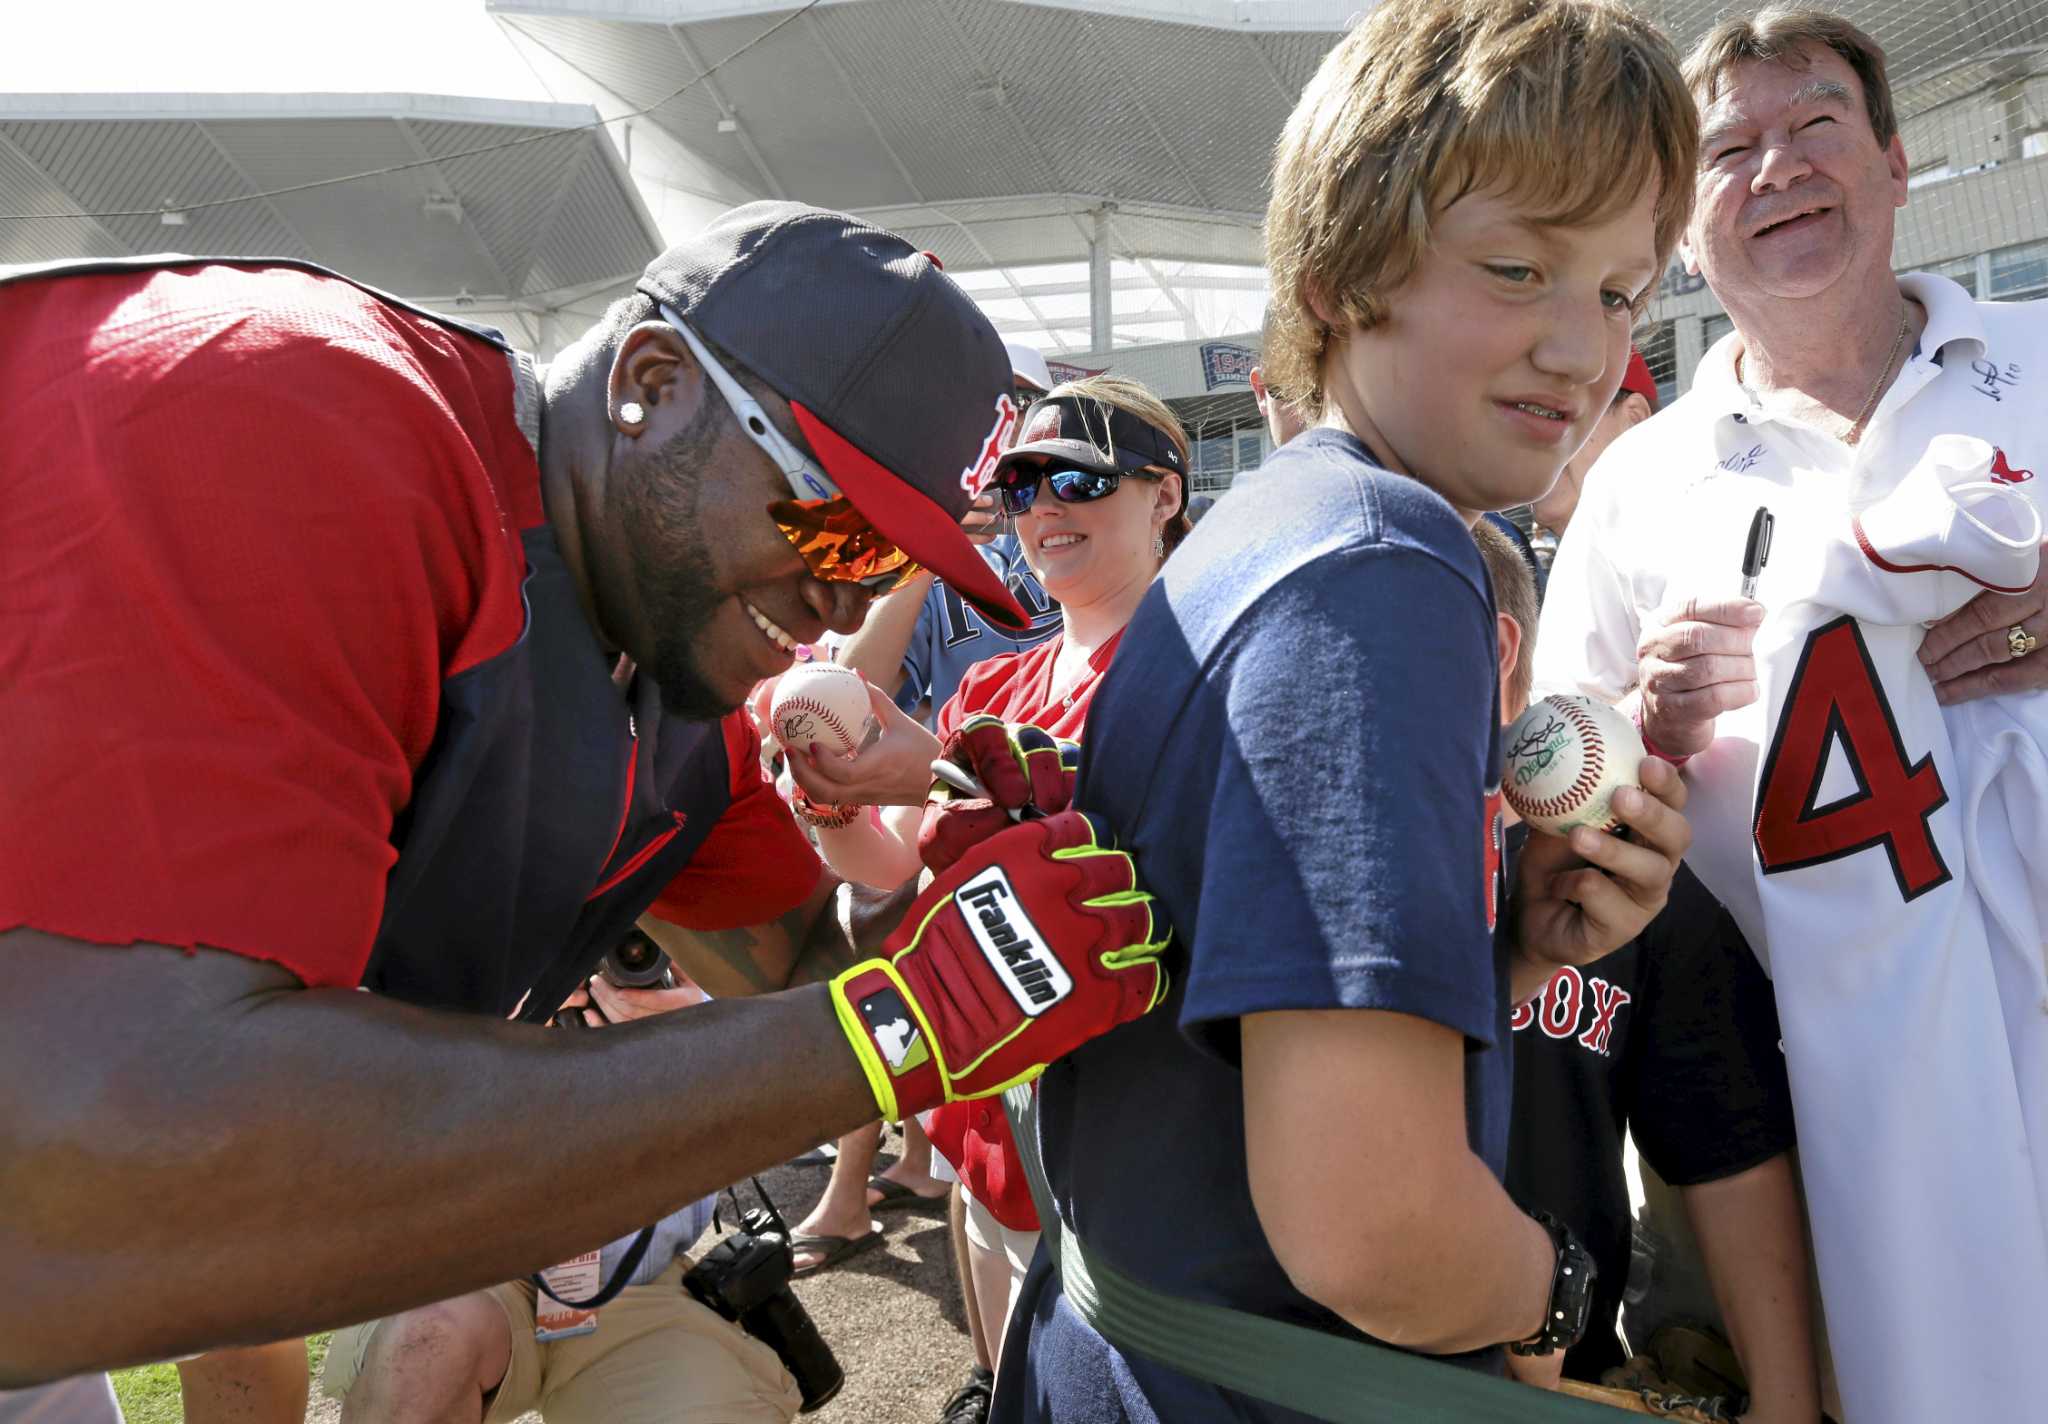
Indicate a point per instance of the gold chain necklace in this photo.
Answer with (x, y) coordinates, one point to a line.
(1876, 387)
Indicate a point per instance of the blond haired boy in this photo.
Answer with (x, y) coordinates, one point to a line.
(1299, 738)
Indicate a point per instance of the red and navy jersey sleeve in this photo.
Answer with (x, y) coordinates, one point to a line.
(756, 864)
(252, 519)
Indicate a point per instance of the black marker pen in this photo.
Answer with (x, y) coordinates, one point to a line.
(1757, 552)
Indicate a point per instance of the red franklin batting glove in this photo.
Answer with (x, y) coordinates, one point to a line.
(1028, 772)
(1038, 940)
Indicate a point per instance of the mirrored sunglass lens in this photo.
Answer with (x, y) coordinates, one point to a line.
(1018, 496)
(838, 545)
(1078, 486)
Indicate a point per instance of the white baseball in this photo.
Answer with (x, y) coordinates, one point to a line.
(823, 703)
(1566, 756)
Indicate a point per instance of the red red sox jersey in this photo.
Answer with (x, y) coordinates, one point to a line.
(1873, 845)
(293, 667)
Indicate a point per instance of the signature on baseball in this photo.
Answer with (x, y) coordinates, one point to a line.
(799, 727)
(1537, 749)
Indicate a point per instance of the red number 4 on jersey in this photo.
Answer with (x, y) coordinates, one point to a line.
(1836, 695)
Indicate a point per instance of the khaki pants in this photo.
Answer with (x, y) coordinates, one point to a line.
(656, 1357)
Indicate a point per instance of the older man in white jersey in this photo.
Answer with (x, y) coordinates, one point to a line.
(1864, 737)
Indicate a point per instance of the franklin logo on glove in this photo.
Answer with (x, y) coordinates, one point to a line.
(1012, 943)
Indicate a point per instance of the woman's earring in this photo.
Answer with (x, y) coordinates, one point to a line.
(1159, 543)
(632, 412)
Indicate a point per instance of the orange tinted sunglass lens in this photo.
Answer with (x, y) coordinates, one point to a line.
(838, 545)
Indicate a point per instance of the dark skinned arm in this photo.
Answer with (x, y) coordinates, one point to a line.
(196, 1151)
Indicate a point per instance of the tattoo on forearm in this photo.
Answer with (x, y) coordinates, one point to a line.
(836, 928)
(832, 945)
(740, 951)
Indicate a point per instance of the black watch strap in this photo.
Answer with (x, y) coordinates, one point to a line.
(1571, 1292)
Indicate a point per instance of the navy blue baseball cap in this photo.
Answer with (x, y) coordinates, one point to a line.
(897, 381)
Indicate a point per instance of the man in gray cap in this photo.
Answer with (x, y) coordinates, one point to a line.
(344, 649)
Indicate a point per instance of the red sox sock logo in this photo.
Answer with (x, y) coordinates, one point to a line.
(2000, 470)
(975, 476)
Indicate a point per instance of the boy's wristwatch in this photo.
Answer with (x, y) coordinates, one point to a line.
(1571, 1293)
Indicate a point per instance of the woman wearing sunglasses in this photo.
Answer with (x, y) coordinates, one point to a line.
(1096, 492)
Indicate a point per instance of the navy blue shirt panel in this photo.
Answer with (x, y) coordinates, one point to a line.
(529, 848)
(1296, 741)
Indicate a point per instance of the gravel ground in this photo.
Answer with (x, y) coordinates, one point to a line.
(892, 1314)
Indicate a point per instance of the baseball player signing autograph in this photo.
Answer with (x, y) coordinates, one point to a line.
(343, 649)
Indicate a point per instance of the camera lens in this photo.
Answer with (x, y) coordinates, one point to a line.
(782, 1324)
(637, 952)
(637, 962)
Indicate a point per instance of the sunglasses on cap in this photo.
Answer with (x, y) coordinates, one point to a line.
(1017, 487)
(835, 540)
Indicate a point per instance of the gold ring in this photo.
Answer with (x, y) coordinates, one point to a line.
(2020, 641)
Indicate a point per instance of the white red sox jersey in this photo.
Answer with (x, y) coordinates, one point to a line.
(1878, 849)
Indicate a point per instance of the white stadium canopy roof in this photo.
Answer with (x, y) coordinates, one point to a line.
(1061, 157)
(551, 226)
(1093, 172)
(1021, 141)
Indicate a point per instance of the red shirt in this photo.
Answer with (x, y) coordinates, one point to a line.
(1017, 687)
(253, 523)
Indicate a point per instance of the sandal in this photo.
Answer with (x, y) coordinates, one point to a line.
(835, 1248)
(897, 1197)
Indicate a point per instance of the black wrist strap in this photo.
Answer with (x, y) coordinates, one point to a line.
(1571, 1290)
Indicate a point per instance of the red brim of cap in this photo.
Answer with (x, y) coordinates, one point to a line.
(911, 520)
(1636, 377)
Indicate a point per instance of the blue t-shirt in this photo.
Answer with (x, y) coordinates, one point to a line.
(951, 637)
(1296, 741)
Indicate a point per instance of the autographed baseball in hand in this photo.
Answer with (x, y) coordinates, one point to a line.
(824, 703)
(1565, 758)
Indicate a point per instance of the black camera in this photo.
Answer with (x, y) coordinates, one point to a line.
(637, 962)
(745, 1278)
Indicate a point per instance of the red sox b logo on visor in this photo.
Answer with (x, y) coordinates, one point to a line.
(1045, 425)
(975, 476)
